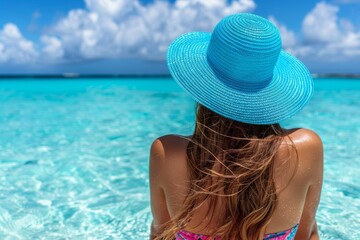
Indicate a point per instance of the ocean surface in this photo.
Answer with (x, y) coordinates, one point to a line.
(74, 154)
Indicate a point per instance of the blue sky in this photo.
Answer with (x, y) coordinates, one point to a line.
(131, 36)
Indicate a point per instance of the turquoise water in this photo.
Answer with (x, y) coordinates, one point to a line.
(74, 155)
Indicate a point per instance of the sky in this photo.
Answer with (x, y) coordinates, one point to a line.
(132, 36)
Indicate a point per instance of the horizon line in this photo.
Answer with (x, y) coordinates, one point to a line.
(78, 75)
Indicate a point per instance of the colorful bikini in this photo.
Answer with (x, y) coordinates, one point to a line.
(284, 235)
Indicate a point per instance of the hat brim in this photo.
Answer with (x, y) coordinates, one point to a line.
(286, 94)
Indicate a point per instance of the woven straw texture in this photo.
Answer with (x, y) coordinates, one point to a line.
(240, 71)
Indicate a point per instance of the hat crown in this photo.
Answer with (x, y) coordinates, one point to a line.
(244, 48)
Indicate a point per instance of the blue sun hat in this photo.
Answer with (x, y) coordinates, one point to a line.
(240, 71)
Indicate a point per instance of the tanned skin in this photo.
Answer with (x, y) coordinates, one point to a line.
(298, 181)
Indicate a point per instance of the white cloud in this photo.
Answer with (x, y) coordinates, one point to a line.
(127, 28)
(111, 8)
(321, 24)
(14, 48)
(287, 36)
(2, 54)
(52, 49)
(11, 31)
(324, 35)
(290, 41)
(329, 35)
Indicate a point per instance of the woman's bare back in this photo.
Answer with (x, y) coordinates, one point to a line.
(297, 177)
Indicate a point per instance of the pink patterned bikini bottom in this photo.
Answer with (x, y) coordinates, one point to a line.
(284, 235)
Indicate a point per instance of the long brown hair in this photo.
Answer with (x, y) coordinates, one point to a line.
(231, 162)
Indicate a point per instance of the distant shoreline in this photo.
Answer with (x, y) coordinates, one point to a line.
(122, 76)
(73, 75)
(335, 75)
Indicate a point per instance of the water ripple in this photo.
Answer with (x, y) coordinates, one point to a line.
(74, 164)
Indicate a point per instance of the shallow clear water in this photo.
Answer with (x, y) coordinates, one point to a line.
(74, 155)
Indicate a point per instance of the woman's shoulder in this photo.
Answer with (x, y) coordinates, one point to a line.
(169, 147)
(171, 142)
(303, 139)
(296, 133)
(306, 146)
(174, 138)
(168, 159)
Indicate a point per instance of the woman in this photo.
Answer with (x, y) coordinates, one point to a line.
(240, 175)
